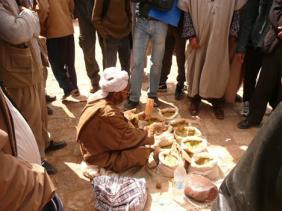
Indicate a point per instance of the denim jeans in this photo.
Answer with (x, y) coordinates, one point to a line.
(87, 39)
(146, 30)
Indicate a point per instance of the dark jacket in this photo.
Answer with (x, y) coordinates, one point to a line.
(254, 24)
(275, 17)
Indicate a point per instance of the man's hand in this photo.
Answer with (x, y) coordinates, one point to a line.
(280, 32)
(194, 42)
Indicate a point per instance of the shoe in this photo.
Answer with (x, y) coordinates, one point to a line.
(48, 167)
(245, 109)
(194, 108)
(218, 112)
(130, 105)
(162, 88)
(49, 99)
(179, 93)
(55, 145)
(74, 96)
(75, 93)
(93, 90)
(238, 99)
(49, 111)
(246, 124)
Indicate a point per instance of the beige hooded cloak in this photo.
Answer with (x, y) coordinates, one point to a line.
(208, 66)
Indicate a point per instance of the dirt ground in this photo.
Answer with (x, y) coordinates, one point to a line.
(75, 190)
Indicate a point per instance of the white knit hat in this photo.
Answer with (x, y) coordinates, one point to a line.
(113, 80)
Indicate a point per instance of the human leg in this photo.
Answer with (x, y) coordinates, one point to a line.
(140, 40)
(68, 50)
(158, 33)
(167, 59)
(54, 54)
(87, 41)
(124, 54)
(180, 45)
(252, 65)
(270, 73)
(110, 46)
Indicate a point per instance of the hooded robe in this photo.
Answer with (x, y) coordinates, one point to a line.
(208, 66)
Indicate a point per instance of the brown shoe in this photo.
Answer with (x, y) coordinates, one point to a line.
(218, 112)
(194, 108)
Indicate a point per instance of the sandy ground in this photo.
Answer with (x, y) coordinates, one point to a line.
(75, 190)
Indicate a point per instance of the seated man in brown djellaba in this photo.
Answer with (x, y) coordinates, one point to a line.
(107, 139)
